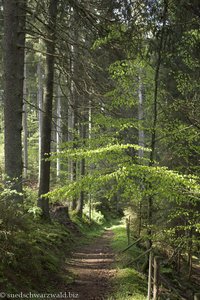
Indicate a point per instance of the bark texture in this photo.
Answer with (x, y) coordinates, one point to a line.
(40, 102)
(81, 199)
(14, 45)
(44, 180)
(58, 130)
(25, 124)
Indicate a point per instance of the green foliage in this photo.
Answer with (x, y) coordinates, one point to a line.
(96, 153)
(115, 33)
(96, 215)
(115, 170)
(30, 202)
(31, 250)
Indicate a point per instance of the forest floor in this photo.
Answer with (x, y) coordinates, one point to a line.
(84, 261)
(93, 269)
(100, 272)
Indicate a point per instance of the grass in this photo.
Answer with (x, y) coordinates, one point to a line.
(129, 284)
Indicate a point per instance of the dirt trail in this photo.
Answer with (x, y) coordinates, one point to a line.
(93, 268)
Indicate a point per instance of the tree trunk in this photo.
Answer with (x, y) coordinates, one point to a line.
(90, 167)
(72, 115)
(14, 45)
(25, 125)
(71, 127)
(71, 138)
(70, 135)
(44, 183)
(58, 130)
(40, 108)
(155, 119)
(140, 118)
(140, 139)
(156, 269)
(82, 171)
(155, 103)
(190, 235)
(82, 194)
(150, 276)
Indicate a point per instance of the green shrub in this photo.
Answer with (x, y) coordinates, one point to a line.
(96, 215)
(32, 252)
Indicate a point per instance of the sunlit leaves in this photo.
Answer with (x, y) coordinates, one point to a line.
(87, 153)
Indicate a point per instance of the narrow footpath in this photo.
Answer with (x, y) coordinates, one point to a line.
(93, 268)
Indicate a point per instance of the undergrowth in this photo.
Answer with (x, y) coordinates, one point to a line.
(33, 253)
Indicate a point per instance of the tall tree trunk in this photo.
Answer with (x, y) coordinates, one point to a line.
(140, 139)
(159, 54)
(40, 108)
(155, 110)
(44, 183)
(82, 171)
(90, 167)
(14, 45)
(71, 131)
(72, 121)
(25, 124)
(71, 117)
(140, 118)
(58, 130)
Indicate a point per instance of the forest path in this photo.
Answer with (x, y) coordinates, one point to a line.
(93, 268)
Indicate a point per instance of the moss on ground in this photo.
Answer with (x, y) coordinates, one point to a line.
(128, 284)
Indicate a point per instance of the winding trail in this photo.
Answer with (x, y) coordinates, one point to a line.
(93, 268)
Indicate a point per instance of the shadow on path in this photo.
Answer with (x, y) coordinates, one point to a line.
(93, 268)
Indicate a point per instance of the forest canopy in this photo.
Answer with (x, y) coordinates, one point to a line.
(100, 111)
